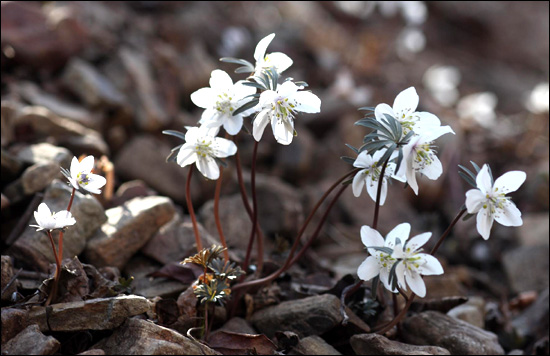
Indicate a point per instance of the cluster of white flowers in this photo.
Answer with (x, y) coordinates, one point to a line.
(81, 178)
(223, 99)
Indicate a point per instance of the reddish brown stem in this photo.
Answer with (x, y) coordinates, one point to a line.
(246, 204)
(254, 208)
(191, 210)
(378, 193)
(290, 260)
(60, 253)
(57, 275)
(217, 215)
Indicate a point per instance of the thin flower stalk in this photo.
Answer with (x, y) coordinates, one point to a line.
(378, 194)
(217, 215)
(191, 210)
(254, 207)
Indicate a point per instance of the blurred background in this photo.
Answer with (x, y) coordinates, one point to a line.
(106, 78)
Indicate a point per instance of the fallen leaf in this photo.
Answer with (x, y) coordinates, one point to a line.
(229, 343)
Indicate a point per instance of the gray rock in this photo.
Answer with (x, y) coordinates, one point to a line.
(535, 229)
(92, 87)
(459, 337)
(144, 157)
(473, 312)
(176, 240)
(7, 275)
(34, 248)
(374, 344)
(31, 342)
(139, 267)
(527, 258)
(238, 325)
(42, 153)
(13, 321)
(309, 316)
(533, 321)
(140, 337)
(11, 166)
(38, 176)
(66, 132)
(314, 345)
(127, 229)
(93, 314)
(98, 352)
(151, 115)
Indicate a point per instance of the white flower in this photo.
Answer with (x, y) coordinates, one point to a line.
(202, 147)
(370, 175)
(490, 202)
(380, 262)
(277, 60)
(81, 176)
(221, 100)
(279, 107)
(48, 221)
(404, 111)
(419, 156)
(412, 262)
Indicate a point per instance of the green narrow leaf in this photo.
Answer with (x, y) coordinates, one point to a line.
(491, 175)
(221, 162)
(366, 108)
(274, 78)
(476, 167)
(468, 179)
(388, 153)
(174, 133)
(352, 148)
(347, 182)
(348, 159)
(173, 154)
(399, 160)
(301, 83)
(255, 85)
(468, 217)
(407, 138)
(244, 69)
(392, 279)
(243, 62)
(384, 249)
(246, 106)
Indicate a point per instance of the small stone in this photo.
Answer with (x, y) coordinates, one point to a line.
(457, 336)
(92, 87)
(93, 314)
(533, 321)
(314, 345)
(473, 312)
(527, 258)
(13, 321)
(140, 267)
(34, 248)
(238, 325)
(309, 316)
(98, 352)
(43, 153)
(140, 337)
(144, 158)
(31, 342)
(127, 229)
(7, 275)
(374, 344)
(38, 176)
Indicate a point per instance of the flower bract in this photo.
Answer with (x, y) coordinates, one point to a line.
(82, 178)
(202, 147)
(490, 202)
(370, 175)
(278, 107)
(220, 100)
(46, 220)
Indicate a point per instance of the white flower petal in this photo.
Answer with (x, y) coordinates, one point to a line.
(384, 278)
(368, 269)
(401, 231)
(410, 173)
(259, 124)
(186, 155)
(208, 167)
(279, 60)
(430, 266)
(358, 183)
(192, 135)
(381, 110)
(483, 180)
(406, 101)
(434, 169)
(363, 160)
(63, 218)
(283, 130)
(267, 98)
(95, 182)
(44, 210)
(416, 283)
(288, 89)
(474, 200)
(372, 189)
(371, 237)
(210, 117)
(87, 164)
(220, 80)
(418, 241)
(75, 169)
(242, 91)
(435, 133)
(307, 102)
(233, 124)
(400, 273)
(426, 122)
(510, 182)
(261, 47)
(224, 147)
(510, 215)
(484, 223)
(204, 98)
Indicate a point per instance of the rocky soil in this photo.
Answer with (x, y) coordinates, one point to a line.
(81, 78)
